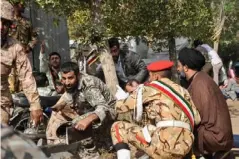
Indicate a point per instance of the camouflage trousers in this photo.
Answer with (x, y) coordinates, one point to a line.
(6, 104)
(132, 134)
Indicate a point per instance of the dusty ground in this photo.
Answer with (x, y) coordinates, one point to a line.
(234, 112)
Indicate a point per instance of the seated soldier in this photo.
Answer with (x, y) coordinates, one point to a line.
(165, 111)
(87, 100)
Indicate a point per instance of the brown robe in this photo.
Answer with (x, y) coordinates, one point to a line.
(214, 133)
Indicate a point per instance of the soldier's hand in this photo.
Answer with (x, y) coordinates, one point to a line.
(36, 116)
(83, 124)
(43, 46)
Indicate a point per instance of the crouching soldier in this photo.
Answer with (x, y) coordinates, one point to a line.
(165, 117)
(87, 100)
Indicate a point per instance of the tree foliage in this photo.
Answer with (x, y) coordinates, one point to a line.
(155, 19)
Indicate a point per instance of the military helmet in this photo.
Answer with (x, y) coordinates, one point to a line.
(7, 10)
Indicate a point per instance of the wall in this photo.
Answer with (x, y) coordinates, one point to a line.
(55, 36)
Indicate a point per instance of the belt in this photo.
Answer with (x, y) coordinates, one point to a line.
(173, 123)
(168, 123)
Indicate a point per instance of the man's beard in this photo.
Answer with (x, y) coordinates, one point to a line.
(71, 89)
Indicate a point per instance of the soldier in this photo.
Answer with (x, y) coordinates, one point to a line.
(165, 111)
(86, 100)
(13, 55)
(22, 30)
(15, 145)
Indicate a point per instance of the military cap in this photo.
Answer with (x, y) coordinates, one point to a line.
(160, 65)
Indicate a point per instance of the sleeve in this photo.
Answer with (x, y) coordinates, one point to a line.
(140, 67)
(94, 96)
(43, 62)
(123, 106)
(24, 71)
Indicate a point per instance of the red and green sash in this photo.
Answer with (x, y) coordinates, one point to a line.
(176, 97)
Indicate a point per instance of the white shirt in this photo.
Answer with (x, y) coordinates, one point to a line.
(213, 55)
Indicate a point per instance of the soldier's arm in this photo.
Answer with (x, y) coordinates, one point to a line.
(94, 96)
(126, 105)
(43, 59)
(24, 71)
(148, 94)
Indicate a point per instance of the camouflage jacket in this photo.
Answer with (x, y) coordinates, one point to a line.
(16, 146)
(22, 31)
(160, 107)
(13, 56)
(92, 96)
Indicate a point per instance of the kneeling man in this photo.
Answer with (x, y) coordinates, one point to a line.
(164, 117)
(86, 100)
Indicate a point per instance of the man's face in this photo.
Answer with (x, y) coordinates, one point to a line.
(181, 69)
(114, 52)
(55, 61)
(5, 25)
(70, 81)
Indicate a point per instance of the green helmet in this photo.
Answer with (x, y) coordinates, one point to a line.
(7, 10)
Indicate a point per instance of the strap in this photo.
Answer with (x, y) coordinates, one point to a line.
(174, 123)
(176, 97)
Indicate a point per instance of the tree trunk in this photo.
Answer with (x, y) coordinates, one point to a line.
(106, 59)
(216, 44)
(173, 57)
(219, 20)
(108, 67)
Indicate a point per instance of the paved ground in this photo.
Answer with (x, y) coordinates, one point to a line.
(234, 112)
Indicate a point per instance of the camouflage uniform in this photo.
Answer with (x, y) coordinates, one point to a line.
(92, 97)
(13, 55)
(15, 145)
(166, 142)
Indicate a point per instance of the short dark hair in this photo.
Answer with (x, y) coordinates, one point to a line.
(70, 66)
(41, 79)
(166, 73)
(54, 53)
(113, 42)
(197, 42)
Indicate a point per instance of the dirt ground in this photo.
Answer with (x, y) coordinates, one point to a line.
(234, 112)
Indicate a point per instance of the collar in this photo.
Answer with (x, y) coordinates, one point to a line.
(191, 78)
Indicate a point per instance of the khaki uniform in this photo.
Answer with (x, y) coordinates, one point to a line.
(12, 55)
(166, 142)
(15, 145)
(24, 34)
(92, 97)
